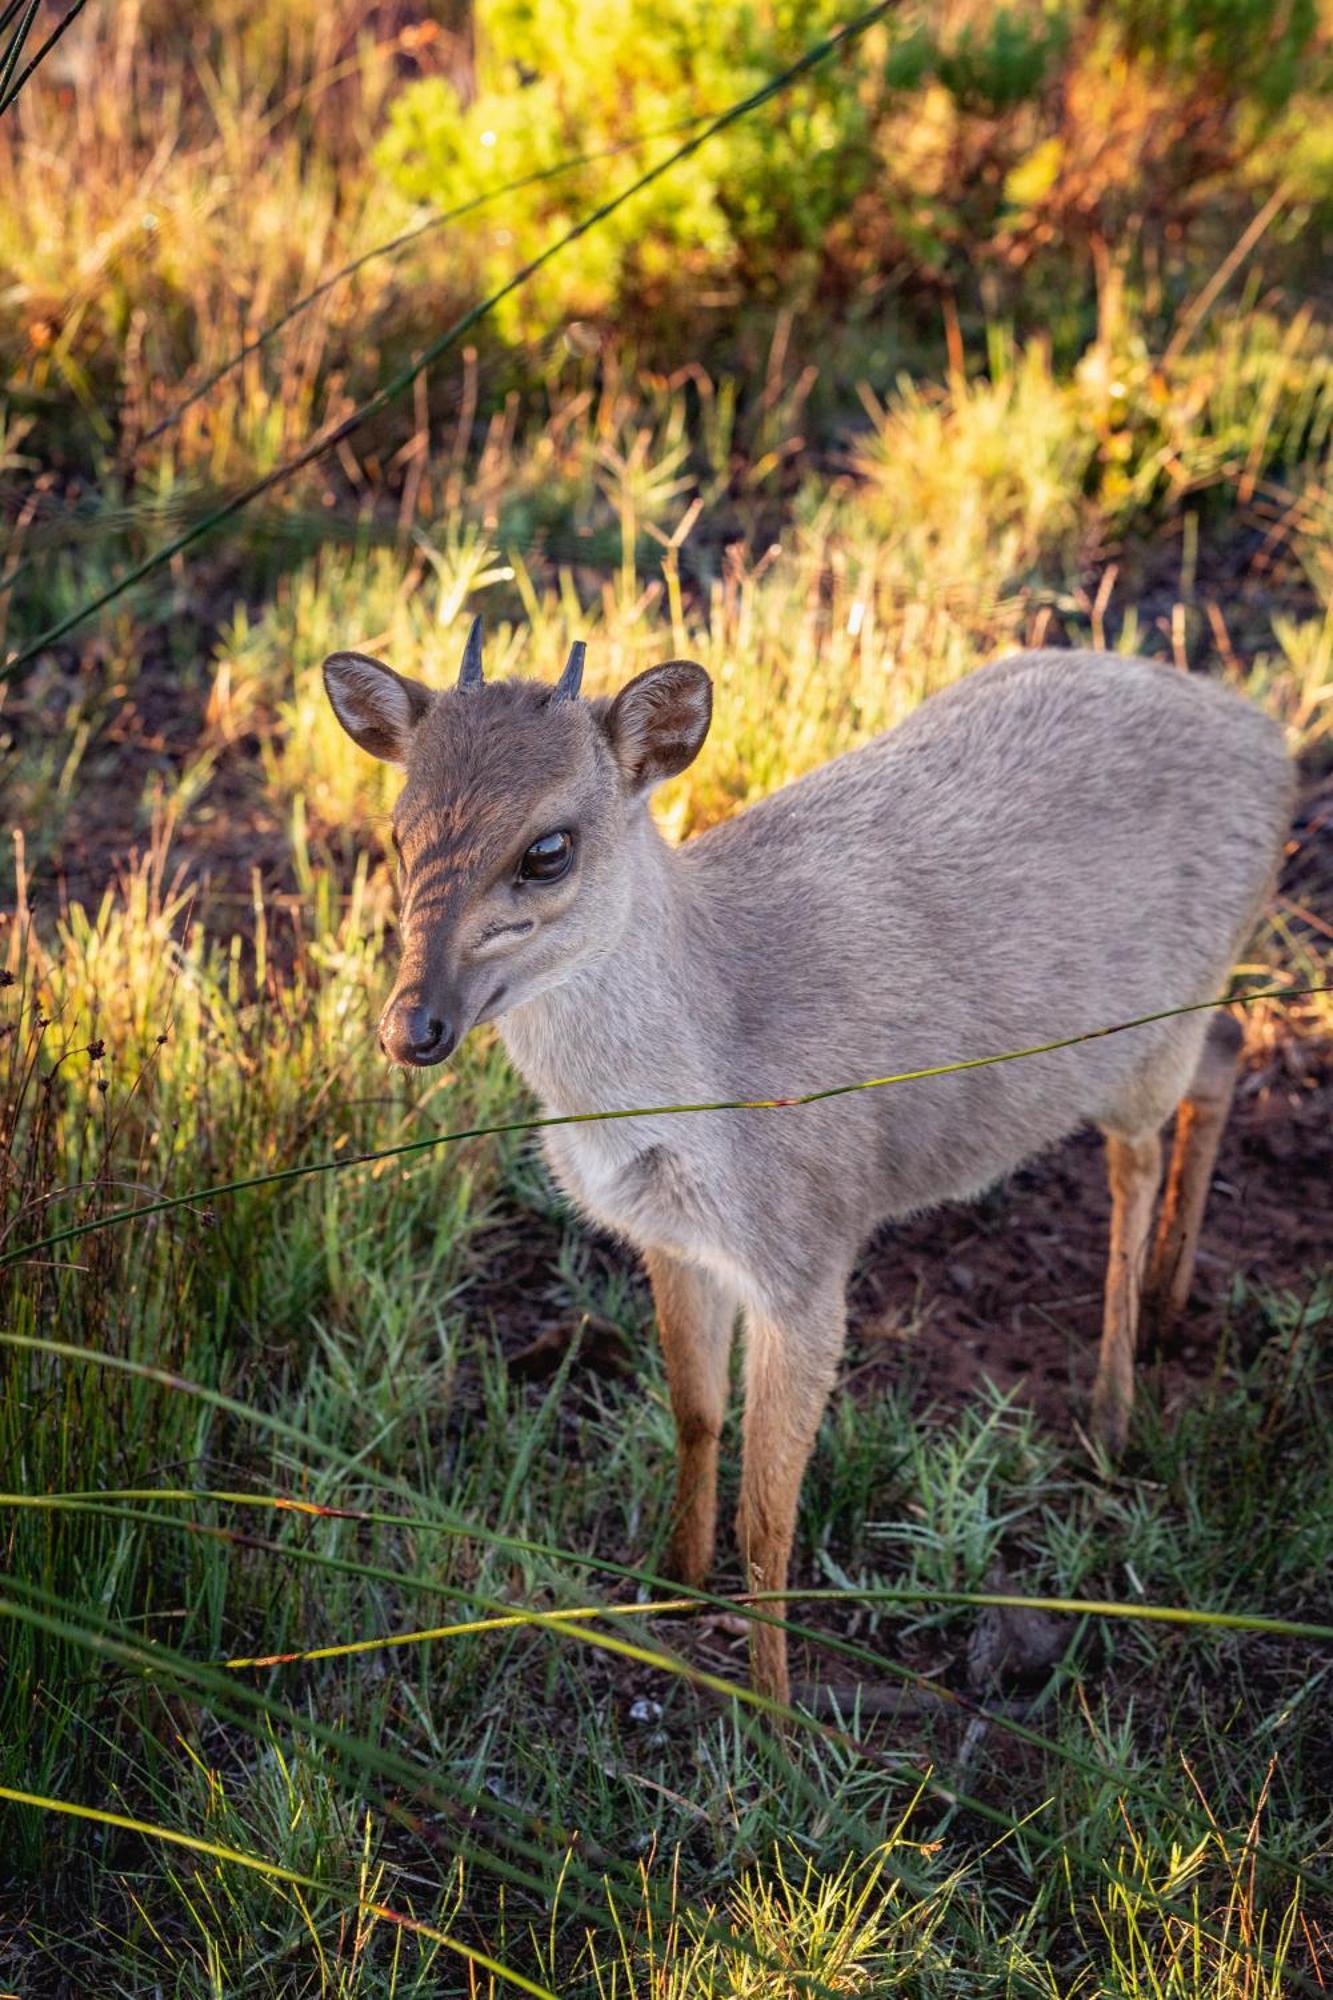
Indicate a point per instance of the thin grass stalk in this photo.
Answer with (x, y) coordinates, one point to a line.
(197, 1196)
(370, 1756)
(401, 242)
(503, 1616)
(90, 1500)
(459, 1806)
(15, 49)
(274, 1871)
(65, 22)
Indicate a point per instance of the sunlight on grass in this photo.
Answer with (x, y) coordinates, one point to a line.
(982, 479)
(395, 1440)
(1246, 1950)
(852, 1930)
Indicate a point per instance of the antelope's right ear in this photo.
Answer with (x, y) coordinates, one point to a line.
(378, 708)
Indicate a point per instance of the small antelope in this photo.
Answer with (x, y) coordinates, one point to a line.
(1061, 841)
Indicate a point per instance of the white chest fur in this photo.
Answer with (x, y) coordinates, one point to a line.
(638, 1180)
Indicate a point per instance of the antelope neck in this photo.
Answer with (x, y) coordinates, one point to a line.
(623, 1025)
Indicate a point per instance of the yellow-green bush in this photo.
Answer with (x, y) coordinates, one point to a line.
(763, 193)
(1016, 134)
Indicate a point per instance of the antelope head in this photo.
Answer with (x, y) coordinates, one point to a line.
(515, 826)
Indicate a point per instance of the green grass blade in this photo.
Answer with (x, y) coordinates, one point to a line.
(426, 227)
(273, 1871)
(276, 1177)
(460, 1806)
(501, 1616)
(1053, 1848)
(15, 49)
(66, 21)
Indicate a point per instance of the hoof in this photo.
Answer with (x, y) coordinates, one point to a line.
(685, 1563)
(1110, 1426)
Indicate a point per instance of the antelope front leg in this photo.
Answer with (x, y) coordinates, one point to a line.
(789, 1370)
(696, 1317)
(1135, 1170)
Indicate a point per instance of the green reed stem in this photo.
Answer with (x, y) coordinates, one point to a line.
(66, 21)
(336, 1165)
(10, 58)
(273, 1871)
(373, 1757)
(401, 242)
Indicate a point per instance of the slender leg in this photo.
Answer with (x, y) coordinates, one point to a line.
(789, 1370)
(1135, 1167)
(1200, 1120)
(696, 1317)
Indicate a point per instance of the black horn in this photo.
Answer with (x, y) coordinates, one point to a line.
(469, 674)
(567, 687)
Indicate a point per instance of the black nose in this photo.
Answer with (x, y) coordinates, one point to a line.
(414, 1035)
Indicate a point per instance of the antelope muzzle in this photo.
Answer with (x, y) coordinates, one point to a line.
(414, 1033)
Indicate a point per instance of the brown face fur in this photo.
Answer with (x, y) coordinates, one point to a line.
(490, 770)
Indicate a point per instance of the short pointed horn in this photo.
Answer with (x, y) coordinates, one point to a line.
(567, 687)
(469, 674)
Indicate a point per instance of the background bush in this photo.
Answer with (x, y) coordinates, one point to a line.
(1019, 149)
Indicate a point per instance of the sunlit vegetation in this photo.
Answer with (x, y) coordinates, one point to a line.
(1004, 328)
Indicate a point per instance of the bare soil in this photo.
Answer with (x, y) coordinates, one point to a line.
(1011, 1287)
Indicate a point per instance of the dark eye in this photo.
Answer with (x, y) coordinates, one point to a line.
(548, 858)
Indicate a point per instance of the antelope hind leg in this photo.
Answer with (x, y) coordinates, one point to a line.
(1200, 1121)
(1135, 1170)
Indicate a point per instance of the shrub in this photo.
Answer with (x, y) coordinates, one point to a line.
(756, 201)
(1021, 133)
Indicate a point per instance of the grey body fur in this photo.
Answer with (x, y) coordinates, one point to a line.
(1057, 843)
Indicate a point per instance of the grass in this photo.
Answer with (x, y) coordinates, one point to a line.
(344, 1322)
(290, 1426)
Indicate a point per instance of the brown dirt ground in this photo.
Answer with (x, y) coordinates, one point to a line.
(1011, 1287)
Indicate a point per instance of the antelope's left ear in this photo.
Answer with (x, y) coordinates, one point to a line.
(378, 708)
(658, 723)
